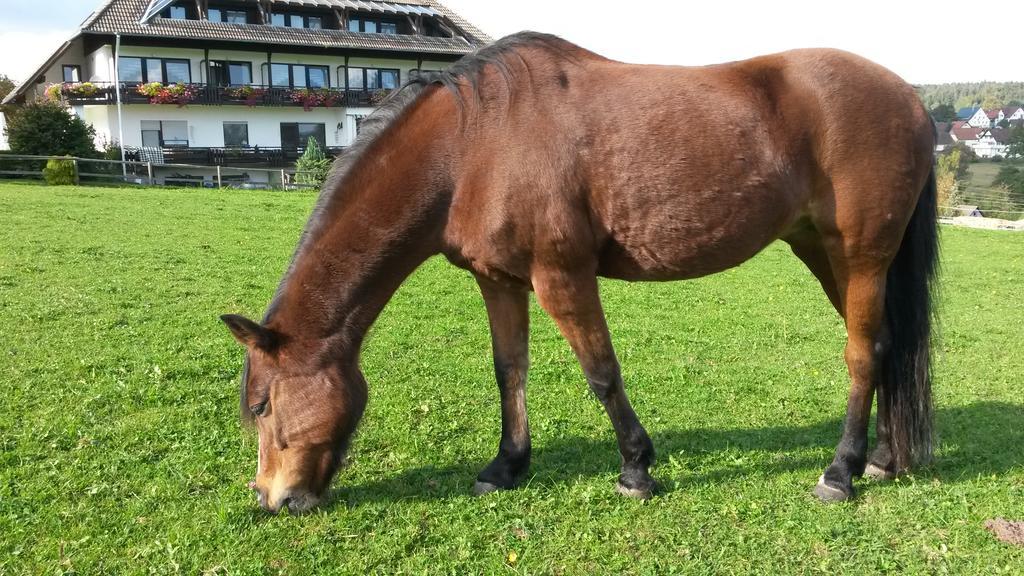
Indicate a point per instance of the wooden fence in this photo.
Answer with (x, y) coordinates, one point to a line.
(88, 170)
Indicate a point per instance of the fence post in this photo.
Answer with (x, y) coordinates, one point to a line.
(284, 180)
(219, 182)
(149, 171)
(78, 178)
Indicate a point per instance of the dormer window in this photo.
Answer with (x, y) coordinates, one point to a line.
(297, 21)
(177, 12)
(372, 25)
(229, 16)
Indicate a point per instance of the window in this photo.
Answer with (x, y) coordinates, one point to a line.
(373, 78)
(296, 21)
(299, 76)
(229, 16)
(177, 71)
(372, 25)
(277, 19)
(236, 134)
(225, 73)
(176, 12)
(168, 70)
(296, 135)
(72, 73)
(165, 134)
(314, 22)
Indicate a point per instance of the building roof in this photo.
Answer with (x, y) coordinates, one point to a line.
(1000, 135)
(992, 114)
(1010, 110)
(124, 17)
(962, 132)
(966, 113)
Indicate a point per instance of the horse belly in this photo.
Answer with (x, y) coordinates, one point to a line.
(693, 234)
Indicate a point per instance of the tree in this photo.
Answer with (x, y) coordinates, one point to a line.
(947, 181)
(48, 129)
(1016, 149)
(944, 113)
(6, 87)
(957, 159)
(313, 166)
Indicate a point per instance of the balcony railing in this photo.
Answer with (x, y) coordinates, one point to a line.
(87, 93)
(255, 156)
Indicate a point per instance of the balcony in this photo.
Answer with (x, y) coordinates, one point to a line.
(105, 94)
(255, 156)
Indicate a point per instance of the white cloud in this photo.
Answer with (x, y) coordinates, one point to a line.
(923, 42)
(24, 51)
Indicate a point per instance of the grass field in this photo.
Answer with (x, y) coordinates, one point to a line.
(121, 451)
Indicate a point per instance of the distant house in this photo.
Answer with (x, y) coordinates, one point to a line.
(964, 132)
(1013, 113)
(980, 119)
(943, 139)
(965, 210)
(994, 116)
(991, 142)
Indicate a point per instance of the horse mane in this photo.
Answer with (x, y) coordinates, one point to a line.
(465, 74)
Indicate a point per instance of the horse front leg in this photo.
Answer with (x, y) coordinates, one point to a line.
(573, 301)
(508, 313)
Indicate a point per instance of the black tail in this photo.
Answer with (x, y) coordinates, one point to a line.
(906, 369)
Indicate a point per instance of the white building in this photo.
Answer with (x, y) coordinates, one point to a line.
(235, 82)
(980, 119)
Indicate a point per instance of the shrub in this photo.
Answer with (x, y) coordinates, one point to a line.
(47, 129)
(59, 172)
(313, 166)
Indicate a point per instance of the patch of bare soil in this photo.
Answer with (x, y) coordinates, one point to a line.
(1011, 531)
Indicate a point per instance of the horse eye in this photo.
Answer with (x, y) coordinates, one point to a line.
(257, 409)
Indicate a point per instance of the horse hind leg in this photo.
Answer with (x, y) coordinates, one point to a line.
(863, 310)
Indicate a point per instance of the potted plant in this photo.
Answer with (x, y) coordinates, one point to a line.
(158, 93)
(250, 95)
(313, 97)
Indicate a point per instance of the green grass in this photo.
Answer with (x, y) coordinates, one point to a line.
(121, 452)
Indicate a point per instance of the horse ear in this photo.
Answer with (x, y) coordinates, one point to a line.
(249, 333)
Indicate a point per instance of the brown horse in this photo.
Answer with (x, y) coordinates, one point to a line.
(538, 165)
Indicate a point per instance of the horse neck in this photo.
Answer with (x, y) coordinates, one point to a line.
(385, 219)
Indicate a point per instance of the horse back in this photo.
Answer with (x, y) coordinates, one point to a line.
(663, 172)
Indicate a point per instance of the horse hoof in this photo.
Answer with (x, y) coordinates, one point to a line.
(481, 488)
(876, 473)
(829, 494)
(637, 493)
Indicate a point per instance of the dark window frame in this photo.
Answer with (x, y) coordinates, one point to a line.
(143, 63)
(291, 75)
(226, 66)
(160, 134)
(169, 11)
(364, 87)
(377, 21)
(302, 145)
(224, 126)
(64, 72)
(222, 14)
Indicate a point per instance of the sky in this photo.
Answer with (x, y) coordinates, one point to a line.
(922, 41)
